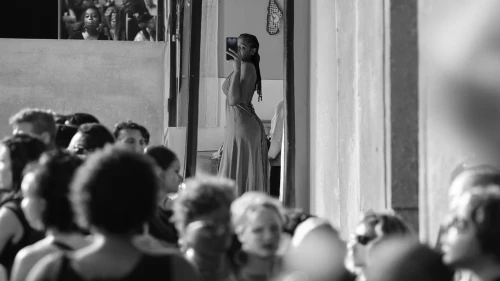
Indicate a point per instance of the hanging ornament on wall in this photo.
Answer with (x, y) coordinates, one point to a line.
(273, 17)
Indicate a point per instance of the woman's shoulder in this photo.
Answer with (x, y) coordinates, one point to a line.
(36, 251)
(248, 66)
(9, 214)
(29, 256)
(49, 267)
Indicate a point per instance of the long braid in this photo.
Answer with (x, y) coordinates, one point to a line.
(255, 59)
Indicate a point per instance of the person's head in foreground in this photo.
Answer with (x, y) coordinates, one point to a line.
(132, 135)
(202, 215)
(89, 138)
(113, 184)
(258, 222)
(39, 123)
(316, 253)
(373, 227)
(400, 259)
(472, 231)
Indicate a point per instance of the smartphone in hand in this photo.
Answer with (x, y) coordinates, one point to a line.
(231, 43)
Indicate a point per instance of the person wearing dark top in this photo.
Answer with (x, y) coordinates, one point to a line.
(46, 206)
(91, 27)
(168, 170)
(113, 194)
(64, 135)
(15, 153)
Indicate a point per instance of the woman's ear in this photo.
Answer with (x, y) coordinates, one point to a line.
(253, 51)
(240, 233)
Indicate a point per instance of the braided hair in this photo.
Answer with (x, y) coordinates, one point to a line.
(255, 59)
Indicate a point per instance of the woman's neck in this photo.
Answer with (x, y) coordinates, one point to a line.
(258, 265)
(113, 244)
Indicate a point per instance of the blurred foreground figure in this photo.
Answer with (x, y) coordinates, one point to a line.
(403, 259)
(466, 57)
(258, 223)
(47, 208)
(316, 254)
(471, 238)
(203, 219)
(114, 193)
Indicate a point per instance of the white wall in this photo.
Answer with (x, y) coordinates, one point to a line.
(114, 81)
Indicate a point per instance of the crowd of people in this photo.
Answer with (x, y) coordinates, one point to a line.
(106, 20)
(82, 202)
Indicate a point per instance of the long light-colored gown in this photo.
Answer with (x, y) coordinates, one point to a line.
(244, 157)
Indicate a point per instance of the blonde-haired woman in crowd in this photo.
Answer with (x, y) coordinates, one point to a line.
(258, 223)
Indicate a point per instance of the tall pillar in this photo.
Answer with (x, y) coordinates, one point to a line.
(324, 193)
(363, 109)
(403, 103)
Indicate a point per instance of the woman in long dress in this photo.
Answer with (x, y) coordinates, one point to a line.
(244, 158)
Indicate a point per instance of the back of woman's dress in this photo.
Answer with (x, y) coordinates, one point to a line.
(244, 157)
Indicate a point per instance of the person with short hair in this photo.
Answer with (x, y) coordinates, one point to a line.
(471, 240)
(373, 227)
(36, 122)
(258, 221)
(203, 220)
(114, 193)
(16, 233)
(89, 138)
(46, 206)
(132, 135)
